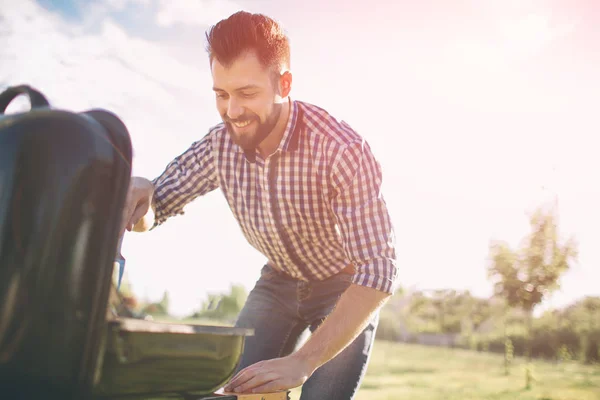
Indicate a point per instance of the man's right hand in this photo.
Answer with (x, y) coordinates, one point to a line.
(137, 212)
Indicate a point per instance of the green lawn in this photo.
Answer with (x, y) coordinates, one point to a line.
(401, 371)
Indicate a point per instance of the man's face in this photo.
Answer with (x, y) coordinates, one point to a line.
(247, 98)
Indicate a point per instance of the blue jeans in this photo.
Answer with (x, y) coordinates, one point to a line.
(280, 309)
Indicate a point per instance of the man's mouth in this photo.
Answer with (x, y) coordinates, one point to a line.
(242, 124)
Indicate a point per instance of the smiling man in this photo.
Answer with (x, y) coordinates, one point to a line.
(305, 189)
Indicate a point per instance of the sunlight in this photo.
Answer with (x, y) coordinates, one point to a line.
(470, 125)
(480, 114)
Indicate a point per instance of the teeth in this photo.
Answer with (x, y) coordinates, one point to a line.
(242, 124)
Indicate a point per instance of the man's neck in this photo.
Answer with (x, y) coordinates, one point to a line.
(271, 142)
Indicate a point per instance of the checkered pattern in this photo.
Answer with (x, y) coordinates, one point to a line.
(313, 207)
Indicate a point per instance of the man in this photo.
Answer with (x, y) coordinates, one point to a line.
(305, 190)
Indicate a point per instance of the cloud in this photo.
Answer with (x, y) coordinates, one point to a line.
(165, 103)
(120, 5)
(533, 32)
(139, 80)
(194, 12)
(494, 60)
(511, 39)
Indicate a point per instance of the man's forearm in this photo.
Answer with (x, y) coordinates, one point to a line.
(351, 315)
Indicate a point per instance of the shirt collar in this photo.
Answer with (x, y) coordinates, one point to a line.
(289, 141)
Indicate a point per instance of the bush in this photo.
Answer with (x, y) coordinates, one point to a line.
(388, 328)
(590, 348)
(564, 354)
(547, 344)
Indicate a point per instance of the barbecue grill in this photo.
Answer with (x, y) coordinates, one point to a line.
(63, 181)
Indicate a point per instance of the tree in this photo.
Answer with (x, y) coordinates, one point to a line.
(435, 312)
(165, 302)
(525, 276)
(584, 318)
(223, 307)
(449, 311)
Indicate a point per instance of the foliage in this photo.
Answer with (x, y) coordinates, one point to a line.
(525, 276)
(564, 354)
(558, 345)
(223, 307)
(388, 328)
(447, 311)
(160, 308)
(573, 330)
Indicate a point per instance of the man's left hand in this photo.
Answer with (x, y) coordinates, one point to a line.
(271, 376)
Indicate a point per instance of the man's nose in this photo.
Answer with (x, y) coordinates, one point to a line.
(234, 109)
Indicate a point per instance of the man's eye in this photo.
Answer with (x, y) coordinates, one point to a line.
(249, 95)
(221, 95)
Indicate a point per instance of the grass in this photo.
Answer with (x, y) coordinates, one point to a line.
(401, 371)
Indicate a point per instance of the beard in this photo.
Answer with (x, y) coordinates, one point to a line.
(249, 141)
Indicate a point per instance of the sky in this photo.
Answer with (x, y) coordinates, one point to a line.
(477, 110)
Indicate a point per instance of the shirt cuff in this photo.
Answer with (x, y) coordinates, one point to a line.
(380, 275)
(159, 214)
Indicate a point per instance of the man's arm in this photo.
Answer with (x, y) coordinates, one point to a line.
(350, 316)
(367, 233)
(191, 174)
(188, 176)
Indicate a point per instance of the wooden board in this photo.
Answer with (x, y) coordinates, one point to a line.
(255, 396)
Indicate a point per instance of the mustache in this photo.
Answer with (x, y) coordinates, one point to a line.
(243, 118)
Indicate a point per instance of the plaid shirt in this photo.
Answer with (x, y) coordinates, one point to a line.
(313, 207)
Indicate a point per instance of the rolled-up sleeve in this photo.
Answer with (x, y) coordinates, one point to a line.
(363, 218)
(188, 176)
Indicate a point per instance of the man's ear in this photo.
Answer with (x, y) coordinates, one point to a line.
(285, 83)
